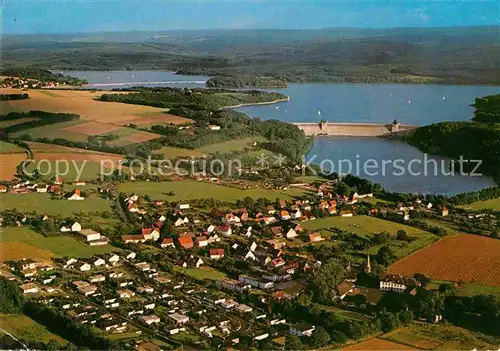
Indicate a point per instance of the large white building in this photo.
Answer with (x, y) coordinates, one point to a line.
(397, 283)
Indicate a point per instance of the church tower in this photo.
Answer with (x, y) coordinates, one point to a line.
(368, 267)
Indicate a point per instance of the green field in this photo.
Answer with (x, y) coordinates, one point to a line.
(201, 273)
(469, 289)
(23, 327)
(64, 245)
(172, 152)
(430, 336)
(90, 170)
(362, 225)
(9, 148)
(42, 203)
(232, 145)
(53, 131)
(347, 314)
(189, 190)
(493, 204)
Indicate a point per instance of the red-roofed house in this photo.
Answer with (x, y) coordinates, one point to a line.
(315, 237)
(167, 242)
(216, 254)
(186, 242)
(151, 233)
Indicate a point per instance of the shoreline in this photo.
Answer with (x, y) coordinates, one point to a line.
(256, 103)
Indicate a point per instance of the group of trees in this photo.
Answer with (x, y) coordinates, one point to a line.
(195, 99)
(245, 82)
(6, 97)
(476, 140)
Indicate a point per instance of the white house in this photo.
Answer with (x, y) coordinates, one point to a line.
(90, 234)
(291, 233)
(76, 227)
(179, 318)
(397, 283)
(151, 319)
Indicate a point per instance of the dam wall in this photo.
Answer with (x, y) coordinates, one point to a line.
(352, 129)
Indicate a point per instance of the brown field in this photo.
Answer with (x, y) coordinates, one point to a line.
(460, 258)
(377, 344)
(79, 102)
(8, 164)
(79, 156)
(15, 250)
(92, 128)
(140, 137)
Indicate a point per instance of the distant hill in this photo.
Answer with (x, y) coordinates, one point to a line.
(456, 55)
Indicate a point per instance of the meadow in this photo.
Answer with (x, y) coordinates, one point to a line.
(231, 146)
(9, 148)
(492, 204)
(64, 245)
(23, 327)
(189, 190)
(43, 204)
(201, 273)
(364, 225)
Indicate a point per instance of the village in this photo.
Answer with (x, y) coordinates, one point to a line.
(150, 287)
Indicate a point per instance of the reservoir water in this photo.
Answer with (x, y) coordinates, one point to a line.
(375, 103)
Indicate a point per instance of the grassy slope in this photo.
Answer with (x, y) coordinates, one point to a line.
(9, 148)
(64, 245)
(493, 204)
(26, 328)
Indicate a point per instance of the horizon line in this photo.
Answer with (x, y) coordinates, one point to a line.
(249, 29)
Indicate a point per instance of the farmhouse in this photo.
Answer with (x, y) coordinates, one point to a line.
(202, 241)
(151, 234)
(224, 230)
(135, 239)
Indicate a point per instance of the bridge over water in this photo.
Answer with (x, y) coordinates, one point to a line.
(147, 83)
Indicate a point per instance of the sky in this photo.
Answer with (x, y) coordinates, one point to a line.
(73, 16)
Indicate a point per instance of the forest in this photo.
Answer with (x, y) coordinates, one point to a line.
(475, 140)
(245, 82)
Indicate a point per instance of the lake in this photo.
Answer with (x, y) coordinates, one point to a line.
(376, 103)
(127, 79)
(405, 169)
(417, 104)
